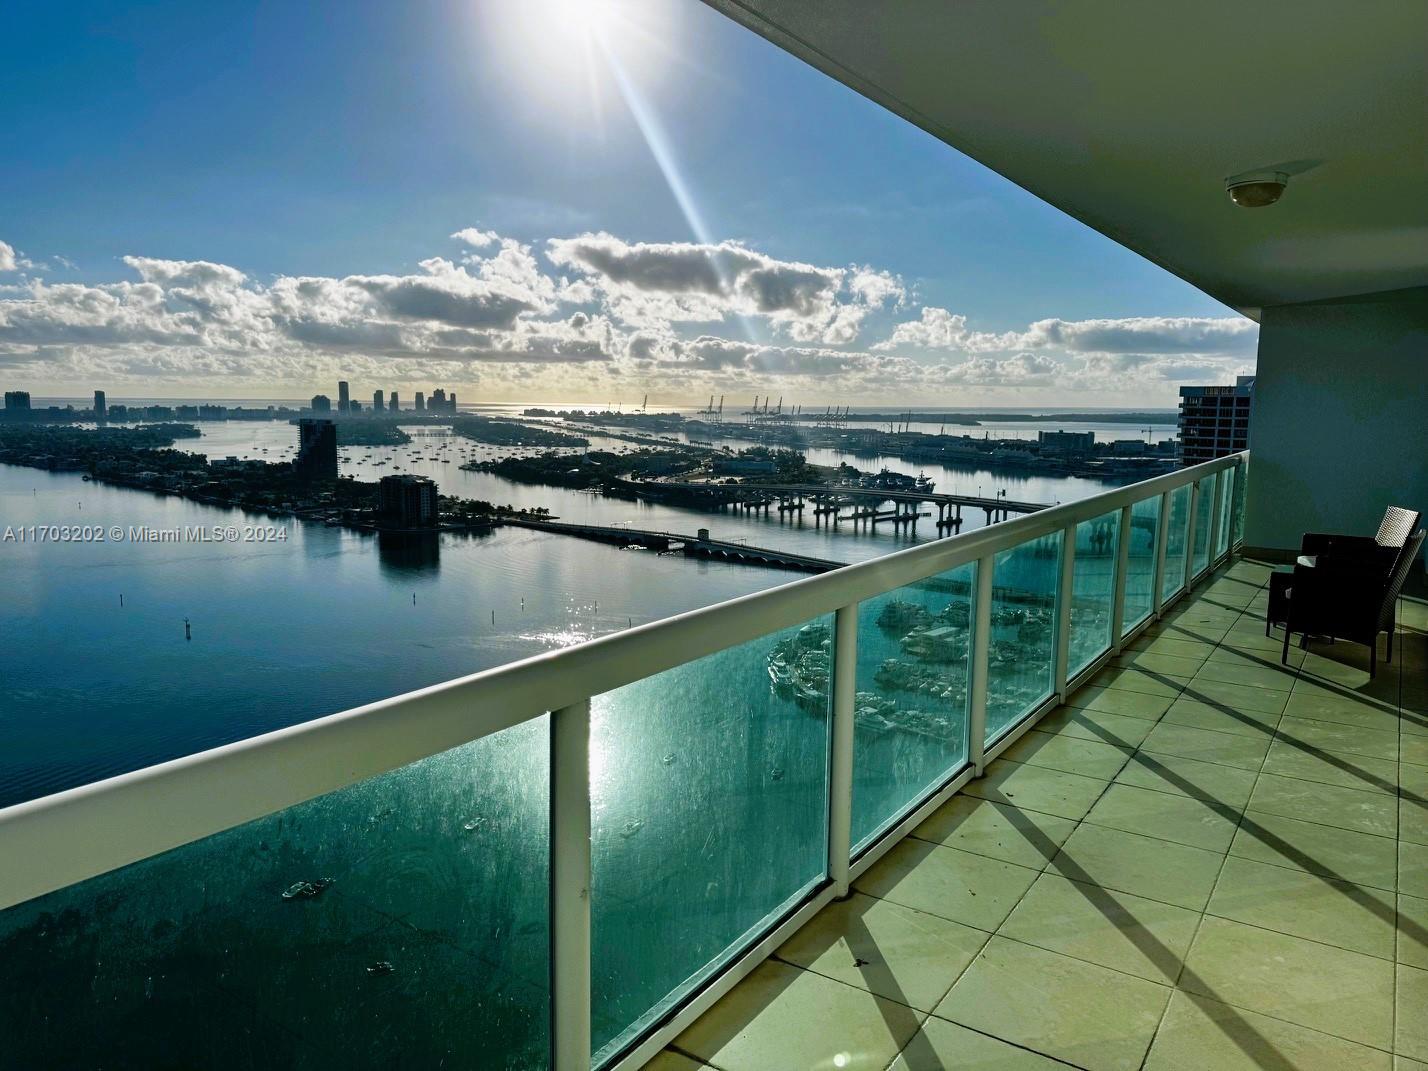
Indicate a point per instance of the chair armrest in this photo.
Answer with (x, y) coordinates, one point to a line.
(1329, 543)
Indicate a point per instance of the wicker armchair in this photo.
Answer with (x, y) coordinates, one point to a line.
(1348, 596)
(1381, 551)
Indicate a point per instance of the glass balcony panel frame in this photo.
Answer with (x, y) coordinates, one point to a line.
(699, 844)
(1138, 602)
(1093, 585)
(911, 705)
(1021, 649)
(1172, 580)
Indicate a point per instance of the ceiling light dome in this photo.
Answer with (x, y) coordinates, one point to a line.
(1256, 189)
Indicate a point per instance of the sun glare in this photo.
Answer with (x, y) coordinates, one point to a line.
(561, 52)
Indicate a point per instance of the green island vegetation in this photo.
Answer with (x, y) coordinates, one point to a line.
(510, 433)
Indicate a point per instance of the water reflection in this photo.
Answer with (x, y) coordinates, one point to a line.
(409, 553)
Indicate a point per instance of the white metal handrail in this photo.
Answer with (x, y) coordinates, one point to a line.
(59, 840)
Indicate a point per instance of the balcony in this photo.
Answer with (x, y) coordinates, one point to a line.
(1043, 788)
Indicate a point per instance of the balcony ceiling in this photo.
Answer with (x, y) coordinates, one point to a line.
(1130, 116)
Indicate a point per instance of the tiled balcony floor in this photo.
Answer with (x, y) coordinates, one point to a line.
(1207, 861)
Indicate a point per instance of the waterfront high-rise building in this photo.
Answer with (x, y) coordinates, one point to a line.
(344, 399)
(377, 405)
(438, 401)
(17, 400)
(451, 402)
(321, 403)
(317, 450)
(101, 409)
(420, 404)
(1214, 421)
(392, 402)
(408, 502)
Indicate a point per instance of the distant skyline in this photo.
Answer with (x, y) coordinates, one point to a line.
(533, 202)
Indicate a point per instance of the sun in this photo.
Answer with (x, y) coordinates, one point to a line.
(563, 54)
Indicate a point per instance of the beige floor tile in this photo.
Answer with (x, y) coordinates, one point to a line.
(1143, 866)
(1237, 696)
(1413, 821)
(1036, 788)
(1146, 938)
(1197, 715)
(1341, 739)
(1250, 638)
(1251, 672)
(1207, 745)
(1096, 725)
(1329, 805)
(1340, 710)
(944, 1046)
(1290, 758)
(1138, 680)
(1182, 819)
(1075, 1011)
(1126, 702)
(1413, 780)
(1413, 930)
(971, 889)
(669, 1060)
(1202, 631)
(1334, 853)
(1413, 868)
(1068, 753)
(1200, 1034)
(781, 1017)
(1413, 749)
(894, 951)
(1161, 643)
(1403, 1063)
(1306, 905)
(1413, 722)
(1178, 665)
(1411, 1034)
(1028, 838)
(1224, 785)
(1347, 994)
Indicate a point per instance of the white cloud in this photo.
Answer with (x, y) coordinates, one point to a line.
(503, 316)
(7, 257)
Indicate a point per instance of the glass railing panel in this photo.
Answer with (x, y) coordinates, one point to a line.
(1203, 515)
(1093, 589)
(1237, 511)
(1173, 578)
(1226, 492)
(910, 710)
(400, 922)
(709, 792)
(1140, 563)
(1021, 651)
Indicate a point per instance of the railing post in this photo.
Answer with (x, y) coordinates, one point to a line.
(1162, 534)
(570, 887)
(1190, 536)
(840, 769)
(1065, 591)
(979, 654)
(1118, 599)
(1212, 552)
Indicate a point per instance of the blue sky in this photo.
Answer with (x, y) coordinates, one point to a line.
(244, 200)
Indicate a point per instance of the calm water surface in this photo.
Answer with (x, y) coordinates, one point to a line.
(429, 947)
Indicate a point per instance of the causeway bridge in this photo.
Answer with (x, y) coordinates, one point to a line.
(837, 503)
(691, 546)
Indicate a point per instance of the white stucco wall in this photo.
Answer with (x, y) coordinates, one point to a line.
(1339, 428)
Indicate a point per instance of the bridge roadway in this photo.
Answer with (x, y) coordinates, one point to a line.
(949, 507)
(691, 546)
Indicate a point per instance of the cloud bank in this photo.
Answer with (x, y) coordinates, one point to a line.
(583, 316)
